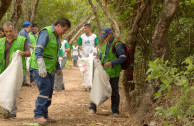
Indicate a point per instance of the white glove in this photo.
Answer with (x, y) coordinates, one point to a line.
(42, 68)
(85, 54)
(94, 51)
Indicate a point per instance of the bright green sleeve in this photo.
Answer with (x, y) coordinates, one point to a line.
(79, 41)
(67, 45)
(71, 47)
(96, 41)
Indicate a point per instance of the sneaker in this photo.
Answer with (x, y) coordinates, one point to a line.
(7, 115)
(41, 120)
(115, 114)
(91, 111)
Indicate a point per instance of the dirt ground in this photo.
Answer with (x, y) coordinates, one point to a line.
(69, 107)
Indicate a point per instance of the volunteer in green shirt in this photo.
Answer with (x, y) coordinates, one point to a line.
(33, 38)
(8, 45)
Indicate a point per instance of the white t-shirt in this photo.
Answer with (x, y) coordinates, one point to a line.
(75, 50)
(88, 42)
(63, 47)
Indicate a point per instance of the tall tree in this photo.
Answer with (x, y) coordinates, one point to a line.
(160, 49)
(16, 12)
(139, 9)
(34, 9)
(114, 23)
(96, 14)
(73, 31)
(80, 31)
(4, 5)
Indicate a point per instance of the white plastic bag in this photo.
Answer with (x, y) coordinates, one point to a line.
(86, 68)
(11, 81)
(101, 88)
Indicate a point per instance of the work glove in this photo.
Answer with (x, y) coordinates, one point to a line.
(94, 51)
(42, 68)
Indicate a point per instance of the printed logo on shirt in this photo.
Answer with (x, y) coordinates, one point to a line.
(87, 42)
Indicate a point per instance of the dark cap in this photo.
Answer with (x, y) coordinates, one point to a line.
(104, 32)
(26, 24)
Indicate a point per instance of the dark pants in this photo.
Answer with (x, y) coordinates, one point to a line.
(115, 98)
(45, 86)
(32, 76)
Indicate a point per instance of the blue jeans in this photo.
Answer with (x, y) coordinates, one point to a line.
(115, 98)
(63, 63)
(45, 86)
(75, 57)
(32, 77)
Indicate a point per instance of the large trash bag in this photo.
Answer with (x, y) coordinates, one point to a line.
(86, 69)
(11, 81)
(101, 88)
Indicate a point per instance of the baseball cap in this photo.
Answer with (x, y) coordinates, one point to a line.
(26, 23)
(104, 32)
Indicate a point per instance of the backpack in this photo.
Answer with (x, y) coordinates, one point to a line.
(125, 64)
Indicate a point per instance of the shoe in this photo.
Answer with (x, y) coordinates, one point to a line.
(115, 114)
(49, 120)
(91, 111)
(7, 115)
(27, 85)
(63, 88)
(41, 120)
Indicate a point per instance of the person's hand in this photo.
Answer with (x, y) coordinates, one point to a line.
(59, 72)
(107, 65)
(31, 46)
(98, 58)
(41, 67)
(21, 53)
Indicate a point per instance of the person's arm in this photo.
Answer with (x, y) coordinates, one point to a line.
(120, 52)
(42, 41)
(26, 52)
(67, 47)
(80, 43)
(96, 42)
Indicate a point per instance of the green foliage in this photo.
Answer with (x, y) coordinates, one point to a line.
(180, 82)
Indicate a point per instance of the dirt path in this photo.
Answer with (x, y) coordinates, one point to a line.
(69, 107)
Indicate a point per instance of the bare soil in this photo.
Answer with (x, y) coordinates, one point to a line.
(69, 107)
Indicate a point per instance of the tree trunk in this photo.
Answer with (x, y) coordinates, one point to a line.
(17, 12)
(27, 10)
(160, 48)
(34, 9)
(4, 5)
(139, 11)
(113, 22)
(80, 31)
(73, 31)
(96, 15)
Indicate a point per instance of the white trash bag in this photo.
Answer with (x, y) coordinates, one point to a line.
(86, 68)
(101, 88)
(11, 81)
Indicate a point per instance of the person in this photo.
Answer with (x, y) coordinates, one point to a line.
(65, 48)
(2, 34)
(75, 53)
(8, 45)
(45, 64)
(33, 38)
(88, 41)
(24, 32)
(112, 65)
